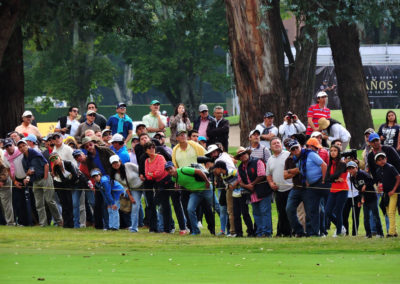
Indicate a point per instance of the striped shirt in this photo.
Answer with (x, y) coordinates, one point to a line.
(261, 152)
(316, 113)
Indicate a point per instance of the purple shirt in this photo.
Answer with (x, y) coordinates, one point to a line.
(203, 127)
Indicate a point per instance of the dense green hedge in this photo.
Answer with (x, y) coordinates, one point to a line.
(136, 112)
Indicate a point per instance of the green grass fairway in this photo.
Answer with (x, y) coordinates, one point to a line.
(54, 255)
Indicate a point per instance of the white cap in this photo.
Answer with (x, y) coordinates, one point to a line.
(315, 134)
(322, 94)
(211, 149)
(26, 113)
(254, 131)
(117, 138)
(114, 158)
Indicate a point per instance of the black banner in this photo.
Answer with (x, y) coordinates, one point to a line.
(382, 82)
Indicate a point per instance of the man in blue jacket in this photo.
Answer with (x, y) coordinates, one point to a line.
(121, 123)
(118, 146)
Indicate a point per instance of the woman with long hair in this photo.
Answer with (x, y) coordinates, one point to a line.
(336, 175)
(389, 131)
(179, 121)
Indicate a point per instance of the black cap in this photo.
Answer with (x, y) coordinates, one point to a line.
(121, 105)
(268, 114)
(8, 141)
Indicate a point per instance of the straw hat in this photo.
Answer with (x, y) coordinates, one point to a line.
(323, 123)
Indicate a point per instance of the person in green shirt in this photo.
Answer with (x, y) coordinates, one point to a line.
(186, 177)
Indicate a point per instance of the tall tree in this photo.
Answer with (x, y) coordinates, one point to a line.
(186, 48)
(257, 60)
(12, 84)
(9, 11)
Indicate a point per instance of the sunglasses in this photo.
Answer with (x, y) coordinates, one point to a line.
(107, 134)
(122, 107)
(53, 159)
(29, 116)
(74, 110)
(294, 148)
(92, 114)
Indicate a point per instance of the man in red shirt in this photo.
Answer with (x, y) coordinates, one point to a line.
(316, 112)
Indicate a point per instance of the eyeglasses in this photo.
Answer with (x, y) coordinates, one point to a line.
(74, 110)
(122, 107)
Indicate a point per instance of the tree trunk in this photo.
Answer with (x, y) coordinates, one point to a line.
(257, 60)
(12, 84)
(9, 11)
(301, 81)
(350, 76)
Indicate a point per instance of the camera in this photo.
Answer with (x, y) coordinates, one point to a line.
(351, 153)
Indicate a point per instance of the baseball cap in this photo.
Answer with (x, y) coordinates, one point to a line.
(114, 158)
(140, 125)
(373, 137)
(313, 142)
(316, 134)
(254, 131)
(380, 154)
(169, 164)
(27, 113)
(117, 138)
(86, 139)
(121, 105)
(268, 114)
(90, 111)
(351, 164)
(104, 131)
(180, 132)
(322, 94)
(154, 102)
(31, 138)
(203, 107)
(201, 138)
(22, 141)
(95, 173)
(293, 143)
(77, 153)
(369, 131)
(8, 142)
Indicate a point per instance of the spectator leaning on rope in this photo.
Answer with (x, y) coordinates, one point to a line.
(252, 177)
(37, 173)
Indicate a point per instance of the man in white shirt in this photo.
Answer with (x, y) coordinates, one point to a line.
(154, 121)
(267, 129)
(68, 125)
(281, 186)
(291, 125)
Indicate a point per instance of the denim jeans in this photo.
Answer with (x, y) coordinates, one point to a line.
(137, 195)
(334, 208)
(76, 195)
(113, 216)
(314, 196)
(262, 216)
(372, 207)
(194, 200)
(296, 196)
(223, 215)
(372, 220)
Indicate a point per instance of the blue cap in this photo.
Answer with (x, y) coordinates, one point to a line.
(95, 173)
(351, 164)
(373, 136)
(77, 152)
(31, 138)
(169, 164)
(202, 138)
(293, 143)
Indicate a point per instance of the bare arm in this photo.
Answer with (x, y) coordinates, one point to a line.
(271, 182)
(311, 123)
(324, 167)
